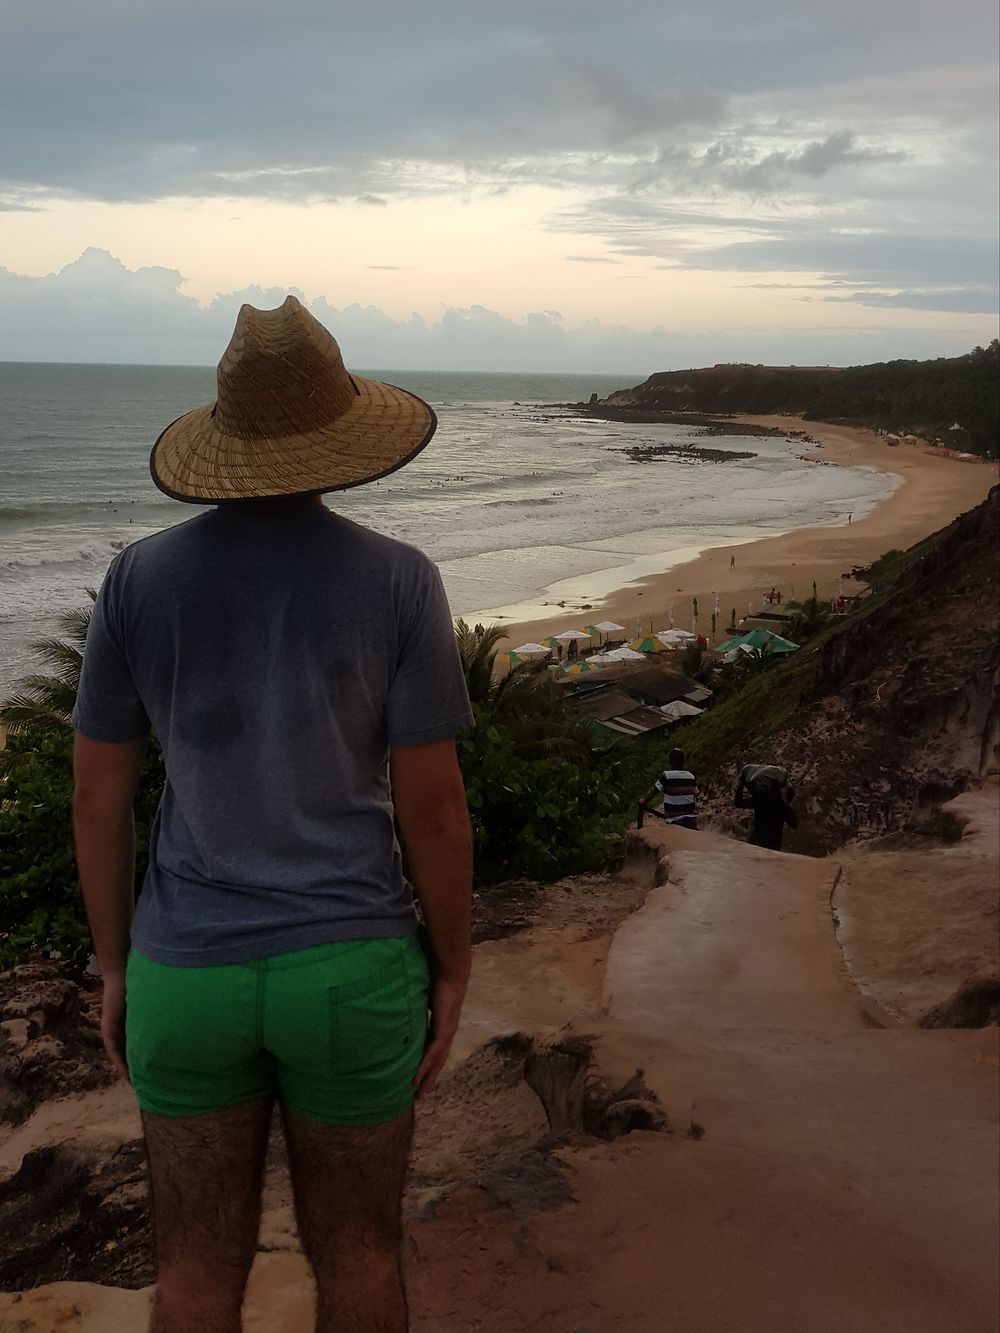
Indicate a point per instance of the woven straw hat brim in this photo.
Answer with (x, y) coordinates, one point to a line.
(384, 428)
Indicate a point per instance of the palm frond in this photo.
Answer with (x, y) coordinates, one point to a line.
(65, 659)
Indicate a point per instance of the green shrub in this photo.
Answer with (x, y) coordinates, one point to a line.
(41, 907)
(540, 817)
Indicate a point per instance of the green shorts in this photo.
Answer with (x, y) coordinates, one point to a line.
(336, 1032)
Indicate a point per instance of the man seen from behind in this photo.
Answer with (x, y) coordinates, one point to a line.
(301, 675)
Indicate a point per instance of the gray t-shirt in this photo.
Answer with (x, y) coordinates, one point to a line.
(277, 652)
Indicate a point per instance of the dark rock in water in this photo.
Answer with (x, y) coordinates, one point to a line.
(649, 453)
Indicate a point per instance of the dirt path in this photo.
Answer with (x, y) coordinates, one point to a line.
(818, 1174)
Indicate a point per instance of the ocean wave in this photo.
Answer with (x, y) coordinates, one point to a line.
(62, 559)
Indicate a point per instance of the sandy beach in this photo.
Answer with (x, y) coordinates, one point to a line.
(933, 491)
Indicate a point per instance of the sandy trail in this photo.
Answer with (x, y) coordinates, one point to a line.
(820, 1174)
(933, 492)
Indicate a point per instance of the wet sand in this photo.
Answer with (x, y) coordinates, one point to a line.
(933, 491)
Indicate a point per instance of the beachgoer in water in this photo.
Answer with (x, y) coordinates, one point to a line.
(766, 791)
(274, 949)
(679, 790)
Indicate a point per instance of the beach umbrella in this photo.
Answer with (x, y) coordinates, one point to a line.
(568, 634)
(552, 642)
(675, 638)
(580, 668)
(679, 708)
(531, 650)
(608, 627)
(510, 659)
(623, 655)
(646, 645)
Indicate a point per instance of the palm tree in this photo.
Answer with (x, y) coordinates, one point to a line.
(477, 647)
(533, 711)
(44, 703)
(808, 620)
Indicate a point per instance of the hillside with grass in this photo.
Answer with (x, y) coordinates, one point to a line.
(882, 716)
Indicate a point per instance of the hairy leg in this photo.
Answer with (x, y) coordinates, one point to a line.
(348, 1182)
(205, 1179)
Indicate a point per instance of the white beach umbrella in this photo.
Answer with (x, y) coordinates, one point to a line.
(624, 655)
(608, 627)
(680, 709)
(569, 634)
(532, 650)
(675, 638)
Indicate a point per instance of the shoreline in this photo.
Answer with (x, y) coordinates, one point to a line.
(932, 491)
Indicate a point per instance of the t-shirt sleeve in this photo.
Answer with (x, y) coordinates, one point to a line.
(428, 700)
(108, 707)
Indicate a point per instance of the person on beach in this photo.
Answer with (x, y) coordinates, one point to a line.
(765, 789)
(679, 790)
(301, 675)
(732, 562)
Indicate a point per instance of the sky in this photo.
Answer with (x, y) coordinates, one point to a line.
(560, 185)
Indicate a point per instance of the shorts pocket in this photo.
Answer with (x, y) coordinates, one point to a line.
(378, 1021)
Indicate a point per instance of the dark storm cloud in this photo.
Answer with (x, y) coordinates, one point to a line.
(123, 99)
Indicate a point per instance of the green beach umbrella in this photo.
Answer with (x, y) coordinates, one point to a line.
(646, 645)
(552, 642)
(580, 669)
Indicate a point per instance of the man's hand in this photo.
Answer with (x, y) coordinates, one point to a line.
(445, 1001)
(113, 1023)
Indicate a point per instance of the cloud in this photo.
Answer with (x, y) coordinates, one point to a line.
(966, 301)
(590, 259)
(390, 268)
(96, 309)
(320, 98)
(372, 200)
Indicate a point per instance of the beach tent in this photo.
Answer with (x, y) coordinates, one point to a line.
(531, 650)
(758, 638)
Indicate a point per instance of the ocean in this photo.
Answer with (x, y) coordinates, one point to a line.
(520, 503)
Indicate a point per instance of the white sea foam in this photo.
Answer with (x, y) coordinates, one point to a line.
(509, 500)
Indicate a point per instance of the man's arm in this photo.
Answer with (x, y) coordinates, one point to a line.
(740, 800)
(429, 796)
(106, 776)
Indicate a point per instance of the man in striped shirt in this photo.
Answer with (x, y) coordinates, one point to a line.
(679, 791)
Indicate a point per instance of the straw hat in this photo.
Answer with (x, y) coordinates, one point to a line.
(289, 419)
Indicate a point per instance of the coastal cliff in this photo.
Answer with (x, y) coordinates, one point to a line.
(956, 399)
